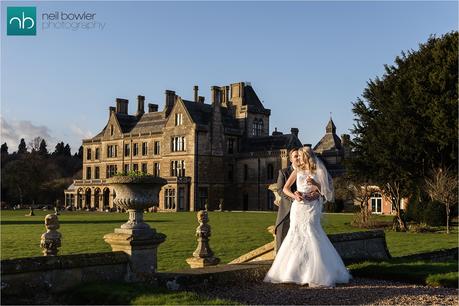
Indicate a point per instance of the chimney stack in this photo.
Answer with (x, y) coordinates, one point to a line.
(122, 106)
(196, 96)
(152, 108)
(216, 95)
(170, 97)
(295, 131)
(225, 94)
(276, 132)
(170, 101)
(140, 105)
(111, 110)
(201, 99)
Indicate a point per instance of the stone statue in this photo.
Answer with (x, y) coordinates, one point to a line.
(51, 240)
(203, 255)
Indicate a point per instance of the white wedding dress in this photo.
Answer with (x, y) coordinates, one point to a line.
(306, 255)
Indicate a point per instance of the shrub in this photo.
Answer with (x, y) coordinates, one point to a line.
(334, 207)
(415, 209)
(434, 214)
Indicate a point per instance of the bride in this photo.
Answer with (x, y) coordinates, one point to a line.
(306, 255)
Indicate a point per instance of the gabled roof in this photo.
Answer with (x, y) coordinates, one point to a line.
(202, 114)
(275, 142)
(127, 122)
(149, 122)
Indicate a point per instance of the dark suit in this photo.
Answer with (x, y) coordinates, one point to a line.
(283, 213)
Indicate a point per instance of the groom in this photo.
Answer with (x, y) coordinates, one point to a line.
(283, 213)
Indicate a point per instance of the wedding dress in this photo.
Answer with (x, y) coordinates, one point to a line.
(306, 255)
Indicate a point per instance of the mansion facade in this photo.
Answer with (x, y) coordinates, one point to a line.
(214, 153)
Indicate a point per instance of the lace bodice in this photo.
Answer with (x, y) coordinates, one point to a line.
(301, 180)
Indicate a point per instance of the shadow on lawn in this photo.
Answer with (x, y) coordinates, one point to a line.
(18, 222)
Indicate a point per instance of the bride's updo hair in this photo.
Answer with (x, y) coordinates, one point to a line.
(308, 161)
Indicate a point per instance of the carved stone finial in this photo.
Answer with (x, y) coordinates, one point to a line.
(203, 218)
(203, 255)
(51, 240)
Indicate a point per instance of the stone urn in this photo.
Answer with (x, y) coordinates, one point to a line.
(136, 238)
(136, 194)
(275, 191)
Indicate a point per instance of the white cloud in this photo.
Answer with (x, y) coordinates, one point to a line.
(80, 133)
(12, 132)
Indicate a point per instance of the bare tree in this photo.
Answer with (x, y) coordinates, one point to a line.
(395, 192)
(361, 193)
(34, 145)
(442, 187)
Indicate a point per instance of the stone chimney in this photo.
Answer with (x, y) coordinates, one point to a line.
(276, 132)
(152, 108)
(196, 96)
(295, 131)
(140, 105)
(216, 125)
(170, 101)
(122, 106)
(216, 95)
(225, 96)
(201, 99)
(111, 110)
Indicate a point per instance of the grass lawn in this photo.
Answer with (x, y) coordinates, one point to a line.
(133, 294)
(423, 272)
(233, 234)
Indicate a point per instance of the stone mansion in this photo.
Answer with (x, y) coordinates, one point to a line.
(208, 153)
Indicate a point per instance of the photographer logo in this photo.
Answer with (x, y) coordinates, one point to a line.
(21, 21)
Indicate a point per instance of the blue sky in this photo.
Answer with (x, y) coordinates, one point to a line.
(304, 59)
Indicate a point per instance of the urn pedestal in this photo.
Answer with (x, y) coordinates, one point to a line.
(203, 255)
(135, 237)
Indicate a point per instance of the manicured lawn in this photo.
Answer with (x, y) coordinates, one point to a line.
(233, 234)
(423, 272)
(133, 294)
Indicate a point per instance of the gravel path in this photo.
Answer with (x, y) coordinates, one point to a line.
(358, 291)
